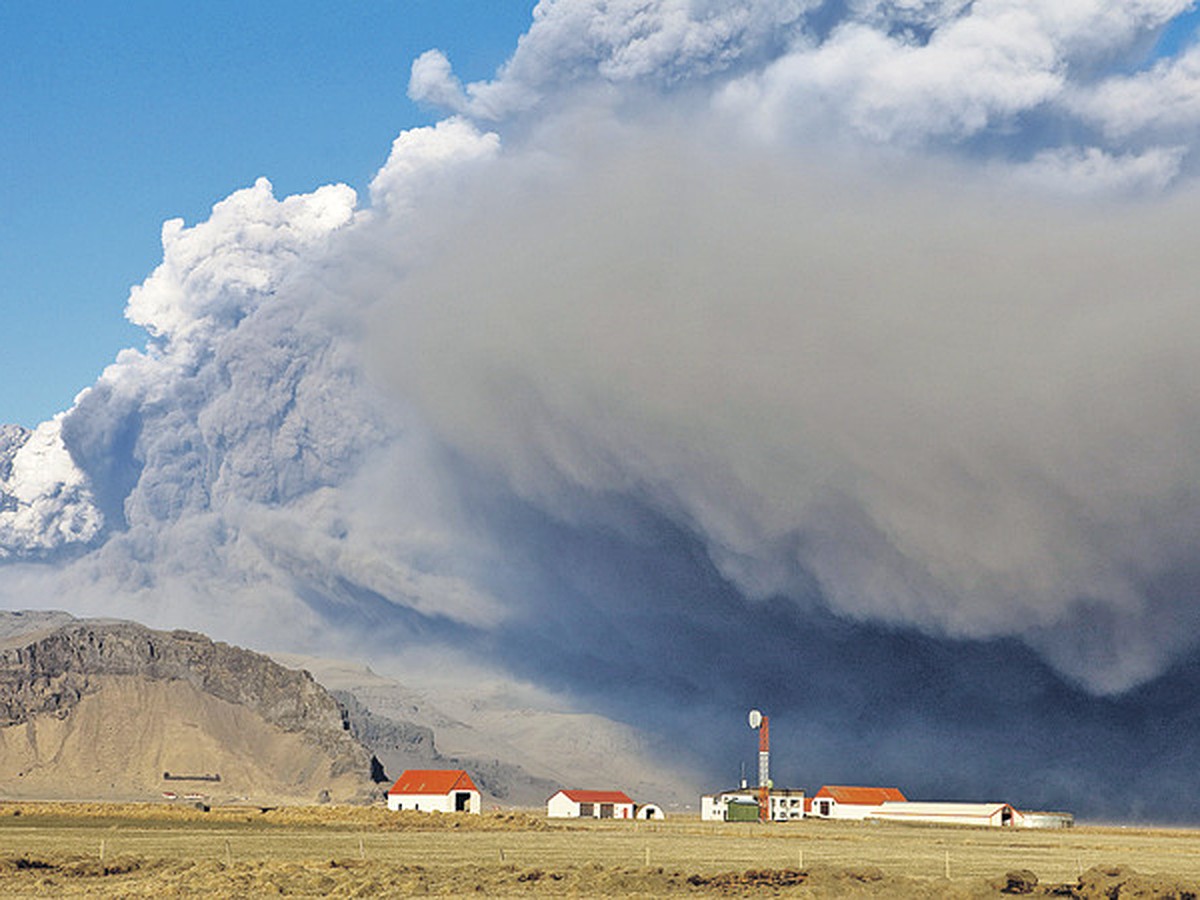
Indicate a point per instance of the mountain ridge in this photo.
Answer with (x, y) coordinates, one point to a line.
(129, 704)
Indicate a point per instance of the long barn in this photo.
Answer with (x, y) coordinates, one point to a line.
(985, 814)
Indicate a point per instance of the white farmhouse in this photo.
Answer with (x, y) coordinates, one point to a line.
(589, 805)
(741, 805)
(434, 790)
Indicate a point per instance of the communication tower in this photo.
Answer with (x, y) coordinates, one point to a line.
(762, 724)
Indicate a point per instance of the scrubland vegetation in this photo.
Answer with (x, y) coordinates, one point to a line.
(143, 850)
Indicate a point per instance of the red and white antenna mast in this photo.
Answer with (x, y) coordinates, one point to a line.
(762, 724)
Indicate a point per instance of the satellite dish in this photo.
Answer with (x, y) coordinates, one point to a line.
(755, 718)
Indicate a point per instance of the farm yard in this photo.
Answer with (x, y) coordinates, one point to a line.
(156, 849)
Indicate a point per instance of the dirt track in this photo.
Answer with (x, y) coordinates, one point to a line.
(157, 850)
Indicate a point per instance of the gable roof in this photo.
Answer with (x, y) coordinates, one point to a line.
(432, 781)
(862, 796)
(596, 796)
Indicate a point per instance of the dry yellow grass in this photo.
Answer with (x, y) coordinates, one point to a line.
(325, 817)
(159, 849)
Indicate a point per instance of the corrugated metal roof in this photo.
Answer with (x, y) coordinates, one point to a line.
(432, 781)
(863, 796)
(596, 796)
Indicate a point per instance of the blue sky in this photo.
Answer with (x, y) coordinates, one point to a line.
(117, 116)
(1180, 33)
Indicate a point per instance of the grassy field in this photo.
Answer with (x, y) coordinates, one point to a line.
(149, 850)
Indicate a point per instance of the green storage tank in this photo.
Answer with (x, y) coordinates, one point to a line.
(741, 811)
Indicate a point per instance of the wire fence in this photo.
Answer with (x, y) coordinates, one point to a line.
(682, 845)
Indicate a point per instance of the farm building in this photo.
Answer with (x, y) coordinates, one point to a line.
(589, 805)
(835, 801)
(648, 811)
(434, 790)
(741, 805)
(987, 814)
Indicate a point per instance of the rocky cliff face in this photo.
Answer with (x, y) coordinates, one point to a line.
(50, 670)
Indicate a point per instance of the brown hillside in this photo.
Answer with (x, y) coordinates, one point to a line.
(101, 710)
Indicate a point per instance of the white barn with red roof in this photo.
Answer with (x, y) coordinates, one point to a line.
(589, 805)
(836, 801)
(434, 790)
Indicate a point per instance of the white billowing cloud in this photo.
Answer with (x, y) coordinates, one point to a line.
(978, 69)
(1165, 98)
(240, 457)
(422, 157)
(578, 41)
(432, 80)
(1075, 170)
(217, 272)
(965, 79)
(46, 502)
(909, 73)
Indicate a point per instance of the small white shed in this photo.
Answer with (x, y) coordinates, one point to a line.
(1036, 819)
(434, 790)
(589, 805)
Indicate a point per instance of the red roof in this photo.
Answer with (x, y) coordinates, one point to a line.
(596, 796)
(432, 781)
(862, 796)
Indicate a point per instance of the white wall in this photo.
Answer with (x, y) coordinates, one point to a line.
(837, 810)
(560, 806)
(1046, 820)
(433, 802)
(712, 808)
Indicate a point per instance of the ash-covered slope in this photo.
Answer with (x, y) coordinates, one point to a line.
(105, 709)
(517, 752)
(402, 744)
